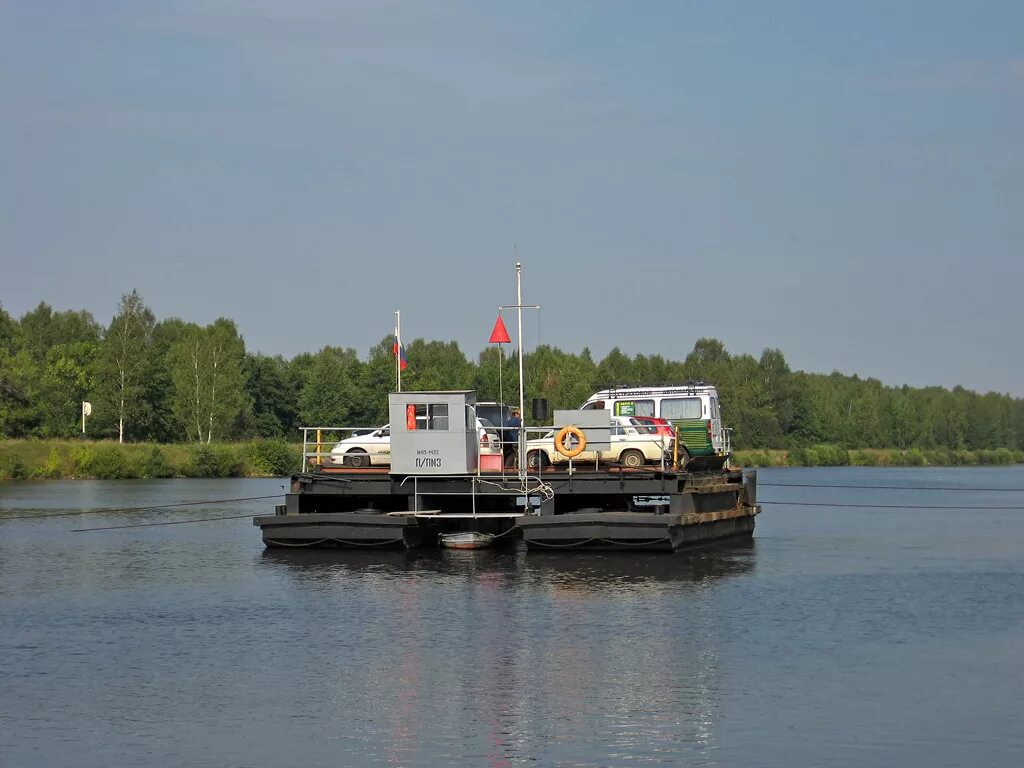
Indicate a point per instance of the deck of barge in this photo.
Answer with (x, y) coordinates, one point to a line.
(558, 508)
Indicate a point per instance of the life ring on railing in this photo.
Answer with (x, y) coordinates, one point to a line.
(560, 441)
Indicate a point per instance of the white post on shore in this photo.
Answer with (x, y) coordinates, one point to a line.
(86, 411)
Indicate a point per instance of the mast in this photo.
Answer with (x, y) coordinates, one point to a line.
(398, 348)
(522, 394)
(519, 307)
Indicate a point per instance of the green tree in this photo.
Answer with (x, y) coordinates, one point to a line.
(616, 368)
(208, 379)
(379, 378)
(16, 374)
(20, 404)
(273, 395)
(9, 331)
(333, 391)
(748, 404)
(902, 424)
(566, 380)
(776, 378)
(157, 421)
(123, 360)
(707, 355)
(68, 377)
(436, 365)
(43, 329)
(866, 421)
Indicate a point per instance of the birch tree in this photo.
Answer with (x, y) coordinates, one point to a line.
(123, 359)
(208, 378)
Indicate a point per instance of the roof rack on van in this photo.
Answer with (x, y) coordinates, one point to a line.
(633, 390)
(665, 385)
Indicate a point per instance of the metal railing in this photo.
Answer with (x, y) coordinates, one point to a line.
(316, 439)
(317, 444)
(665, 442)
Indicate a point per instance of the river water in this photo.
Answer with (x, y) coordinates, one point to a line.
(841, 636)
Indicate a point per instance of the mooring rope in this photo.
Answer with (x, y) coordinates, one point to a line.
(599, 540)
(279, 543)
(503, 533)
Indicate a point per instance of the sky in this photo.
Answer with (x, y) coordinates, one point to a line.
(842, 181)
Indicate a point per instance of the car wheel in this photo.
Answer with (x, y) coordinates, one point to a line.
(632, 458)
(357, 457)
(536, 460)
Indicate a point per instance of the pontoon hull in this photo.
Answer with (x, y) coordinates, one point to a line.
(635, 530)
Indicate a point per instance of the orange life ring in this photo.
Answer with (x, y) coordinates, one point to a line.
(563, 433)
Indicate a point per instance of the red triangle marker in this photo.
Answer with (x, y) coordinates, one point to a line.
(499, 335)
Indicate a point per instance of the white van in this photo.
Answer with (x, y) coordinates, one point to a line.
(691, 408)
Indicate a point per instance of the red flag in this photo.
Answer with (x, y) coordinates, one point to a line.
(499, 335)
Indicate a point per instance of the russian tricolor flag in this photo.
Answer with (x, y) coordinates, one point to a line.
(399, 351)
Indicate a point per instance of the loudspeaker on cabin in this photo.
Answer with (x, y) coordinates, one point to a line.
(540, 409)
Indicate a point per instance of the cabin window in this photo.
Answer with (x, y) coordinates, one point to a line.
(634, 408)
(432, 416)
(597, 405)
(681, 408)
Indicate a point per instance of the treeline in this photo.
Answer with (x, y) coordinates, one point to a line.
(171, 381)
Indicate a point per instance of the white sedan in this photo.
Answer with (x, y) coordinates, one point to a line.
(632, 445)
(374, 447)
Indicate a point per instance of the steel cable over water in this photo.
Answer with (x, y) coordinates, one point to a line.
(105, 510)
(542, 489)
(883, 506)
(888, 487)
(942, 488)
(162, 522)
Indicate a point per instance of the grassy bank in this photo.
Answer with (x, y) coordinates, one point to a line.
(53, 459)
(104, 460)
(836, 456)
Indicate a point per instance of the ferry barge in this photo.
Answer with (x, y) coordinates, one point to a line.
(435, 485)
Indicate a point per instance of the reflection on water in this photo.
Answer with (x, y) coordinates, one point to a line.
(591, 571)
(537, 644)
(600, 571)
(837, 637)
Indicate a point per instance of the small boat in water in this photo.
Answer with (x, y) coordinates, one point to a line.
(466, 540)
